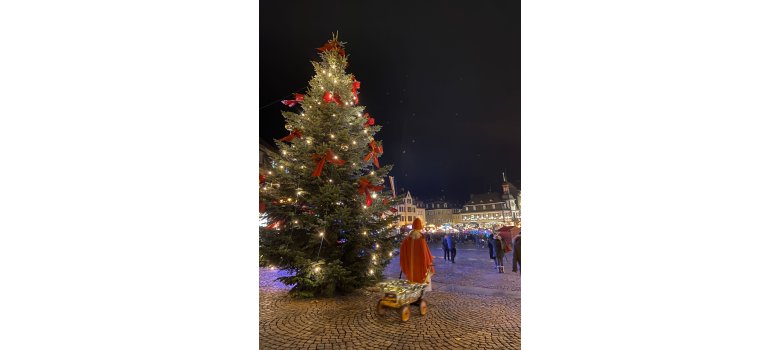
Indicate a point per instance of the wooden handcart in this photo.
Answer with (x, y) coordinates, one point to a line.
(401, 295)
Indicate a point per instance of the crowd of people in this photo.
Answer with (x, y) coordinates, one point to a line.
(498, 246)
(417, 261)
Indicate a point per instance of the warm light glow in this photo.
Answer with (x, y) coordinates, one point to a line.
(332, 136)
(284, 152)
(322, 234)
(308, 142)
(330, 180)
(289, 199)
(372, 173)
(365, 131)
(335, 157)
(269, 173)
(295, 222)
(371, 271)
(391, 254)
(377, 246)
(317, 269)
(353, 142)
(373, 195)
(281, 166)
(365, 233)
(364, 207)
(299, 193)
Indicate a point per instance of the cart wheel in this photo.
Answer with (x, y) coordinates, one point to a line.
(405, 313)
(423, 307)
(380, 309)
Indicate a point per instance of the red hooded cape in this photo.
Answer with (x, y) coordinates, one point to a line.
(416, 259)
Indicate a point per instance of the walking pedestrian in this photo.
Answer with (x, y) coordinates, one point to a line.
(490, 248)
(498, 250)
(516, 253)
(452, 243)
(445, 247)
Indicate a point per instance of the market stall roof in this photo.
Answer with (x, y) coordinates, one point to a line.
(505, 228)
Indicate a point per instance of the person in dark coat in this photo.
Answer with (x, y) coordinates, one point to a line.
(516, 253)
(498, 250)
(452, 243)
(446, 247)
(490, 248)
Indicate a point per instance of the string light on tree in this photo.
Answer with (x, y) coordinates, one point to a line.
(329, 204)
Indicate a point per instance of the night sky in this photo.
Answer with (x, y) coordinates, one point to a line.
(442, 79)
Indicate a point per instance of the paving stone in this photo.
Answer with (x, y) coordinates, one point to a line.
(472, 307)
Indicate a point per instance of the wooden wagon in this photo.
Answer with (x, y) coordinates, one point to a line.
(401, 295)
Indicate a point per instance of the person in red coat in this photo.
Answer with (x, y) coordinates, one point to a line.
(416, 259)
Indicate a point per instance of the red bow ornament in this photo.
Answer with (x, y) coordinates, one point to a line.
(374, 153)
(329, 97)
(262, 179)
(355, 87)
(291, 103)
(369, 120)
(293, 135)
(262, 207)
(321, 159)
(366, 187)
(332, 44)
(276, 224)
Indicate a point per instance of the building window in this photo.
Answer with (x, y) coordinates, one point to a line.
(409, 209)
(494, 206)
(408, 218)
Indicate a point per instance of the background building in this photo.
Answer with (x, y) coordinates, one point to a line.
(408, 210)
(439, 213)
(487, 210)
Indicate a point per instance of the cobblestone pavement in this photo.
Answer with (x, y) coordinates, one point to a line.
(471, 307)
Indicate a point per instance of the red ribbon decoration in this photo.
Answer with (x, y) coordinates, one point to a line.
(332, 45)
(292, 103)
(293, 135)
(276, 224)
(262, 207)
(369, 120)
(393, 210)
(355, 87)
(321, 159)
(329, 97)
(365, 187)
(375, 151)
(262, 179)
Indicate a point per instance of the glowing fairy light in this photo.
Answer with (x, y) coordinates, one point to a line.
(322, 234)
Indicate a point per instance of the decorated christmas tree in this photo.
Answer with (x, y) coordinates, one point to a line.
(330, 221)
